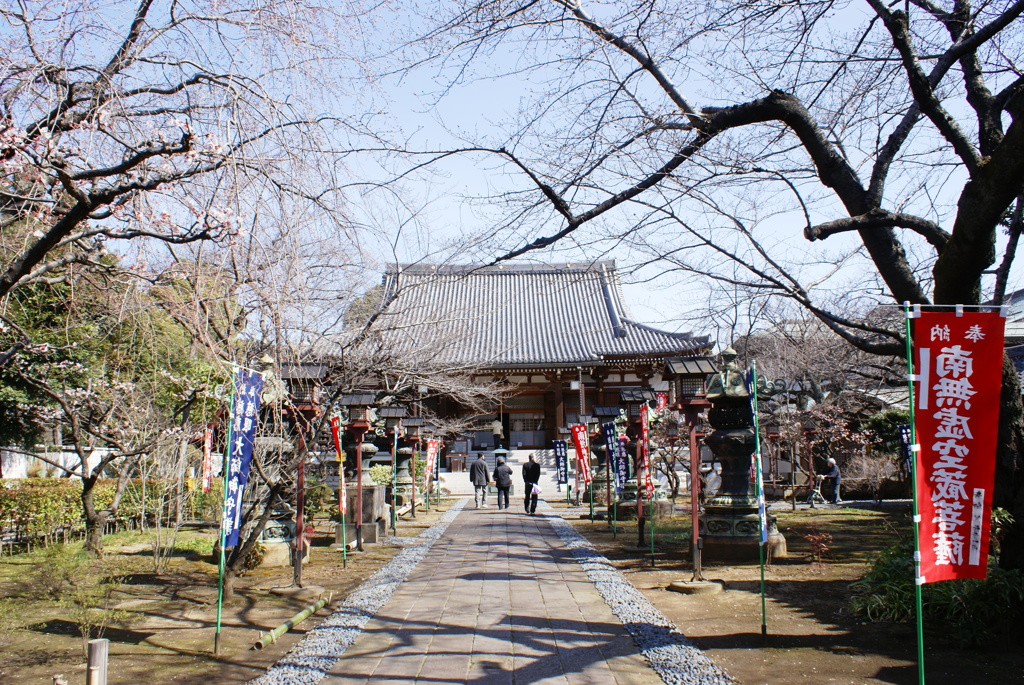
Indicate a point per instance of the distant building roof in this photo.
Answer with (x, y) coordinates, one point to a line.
(522, 315)
(304, 371)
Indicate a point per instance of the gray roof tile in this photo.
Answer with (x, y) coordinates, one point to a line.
(517, 315)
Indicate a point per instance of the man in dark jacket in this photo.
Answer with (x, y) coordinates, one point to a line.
(478, 476)
(503, 481)
(531, 474)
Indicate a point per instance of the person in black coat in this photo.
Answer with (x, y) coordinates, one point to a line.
(531, 474)
(478, 476)
(503, 481)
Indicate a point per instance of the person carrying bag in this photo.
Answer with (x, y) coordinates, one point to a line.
(531, 474)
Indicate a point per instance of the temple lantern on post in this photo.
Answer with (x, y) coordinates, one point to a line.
(358, 408)
(687, 377)
(400, 477)
(634, 398)
(393, 418)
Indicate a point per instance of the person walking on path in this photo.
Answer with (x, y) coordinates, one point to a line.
(478, 476)
(531, 474)
(503, 481)
(833, 474)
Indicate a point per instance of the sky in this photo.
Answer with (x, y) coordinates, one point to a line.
(479, 108)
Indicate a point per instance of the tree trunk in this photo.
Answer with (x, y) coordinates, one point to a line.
(235, 561)
(95, 520)
(229, 583)
(1008, 491)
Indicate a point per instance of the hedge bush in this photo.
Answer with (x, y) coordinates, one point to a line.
(48, 509)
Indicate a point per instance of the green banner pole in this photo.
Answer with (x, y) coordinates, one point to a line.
(615, 517)
(761, 513)
(394, 480)
(426, 482)
(652, 529)
(223, 515)
(908, 315)
(344, 496)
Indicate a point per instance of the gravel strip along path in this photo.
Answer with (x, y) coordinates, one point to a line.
(313, 656)
(666, 649)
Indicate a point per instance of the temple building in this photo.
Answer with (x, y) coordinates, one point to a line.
(558, 333)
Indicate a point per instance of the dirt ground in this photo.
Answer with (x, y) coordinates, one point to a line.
(811, 639)
(173, 640)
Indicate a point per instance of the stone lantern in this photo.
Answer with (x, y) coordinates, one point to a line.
(730, 526)
(405, 477)
(602, 483)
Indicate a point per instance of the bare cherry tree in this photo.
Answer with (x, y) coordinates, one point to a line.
(707, 133)
(140, 120)
(117, 394)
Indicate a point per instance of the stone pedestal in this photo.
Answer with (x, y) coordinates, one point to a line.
(374, 503)
(278, 542)
(599, 485)
(599, 482)
(625, 508)
(403, 477)
(373, 532)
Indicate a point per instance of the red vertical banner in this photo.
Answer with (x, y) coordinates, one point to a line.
(662, 402)
(342, 493)
(207, 457)
(958, 362)
(432, 448)
(645, 451)
(581, 443)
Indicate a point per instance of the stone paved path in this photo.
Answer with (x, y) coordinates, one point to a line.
(497, 599)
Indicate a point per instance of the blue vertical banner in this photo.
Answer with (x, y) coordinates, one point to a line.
(905, 452)
(621, 463)
(609, 444)
(561, 461)
(248, 386)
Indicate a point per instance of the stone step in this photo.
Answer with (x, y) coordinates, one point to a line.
(458, 484)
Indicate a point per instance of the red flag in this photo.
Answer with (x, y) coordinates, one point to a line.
(645, 451)
(662, 401)
(207, 457)
(959, 363)
(432, 447)
(342, 493)
(580, 441)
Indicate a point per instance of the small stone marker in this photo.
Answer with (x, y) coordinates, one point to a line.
(695, 587)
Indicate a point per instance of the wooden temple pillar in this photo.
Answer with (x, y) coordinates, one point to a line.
(554, 407)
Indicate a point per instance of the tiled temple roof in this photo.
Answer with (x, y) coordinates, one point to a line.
(522, 315)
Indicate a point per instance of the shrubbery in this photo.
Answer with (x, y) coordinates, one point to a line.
(49, 509)
(968, 612)
(381, 474)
